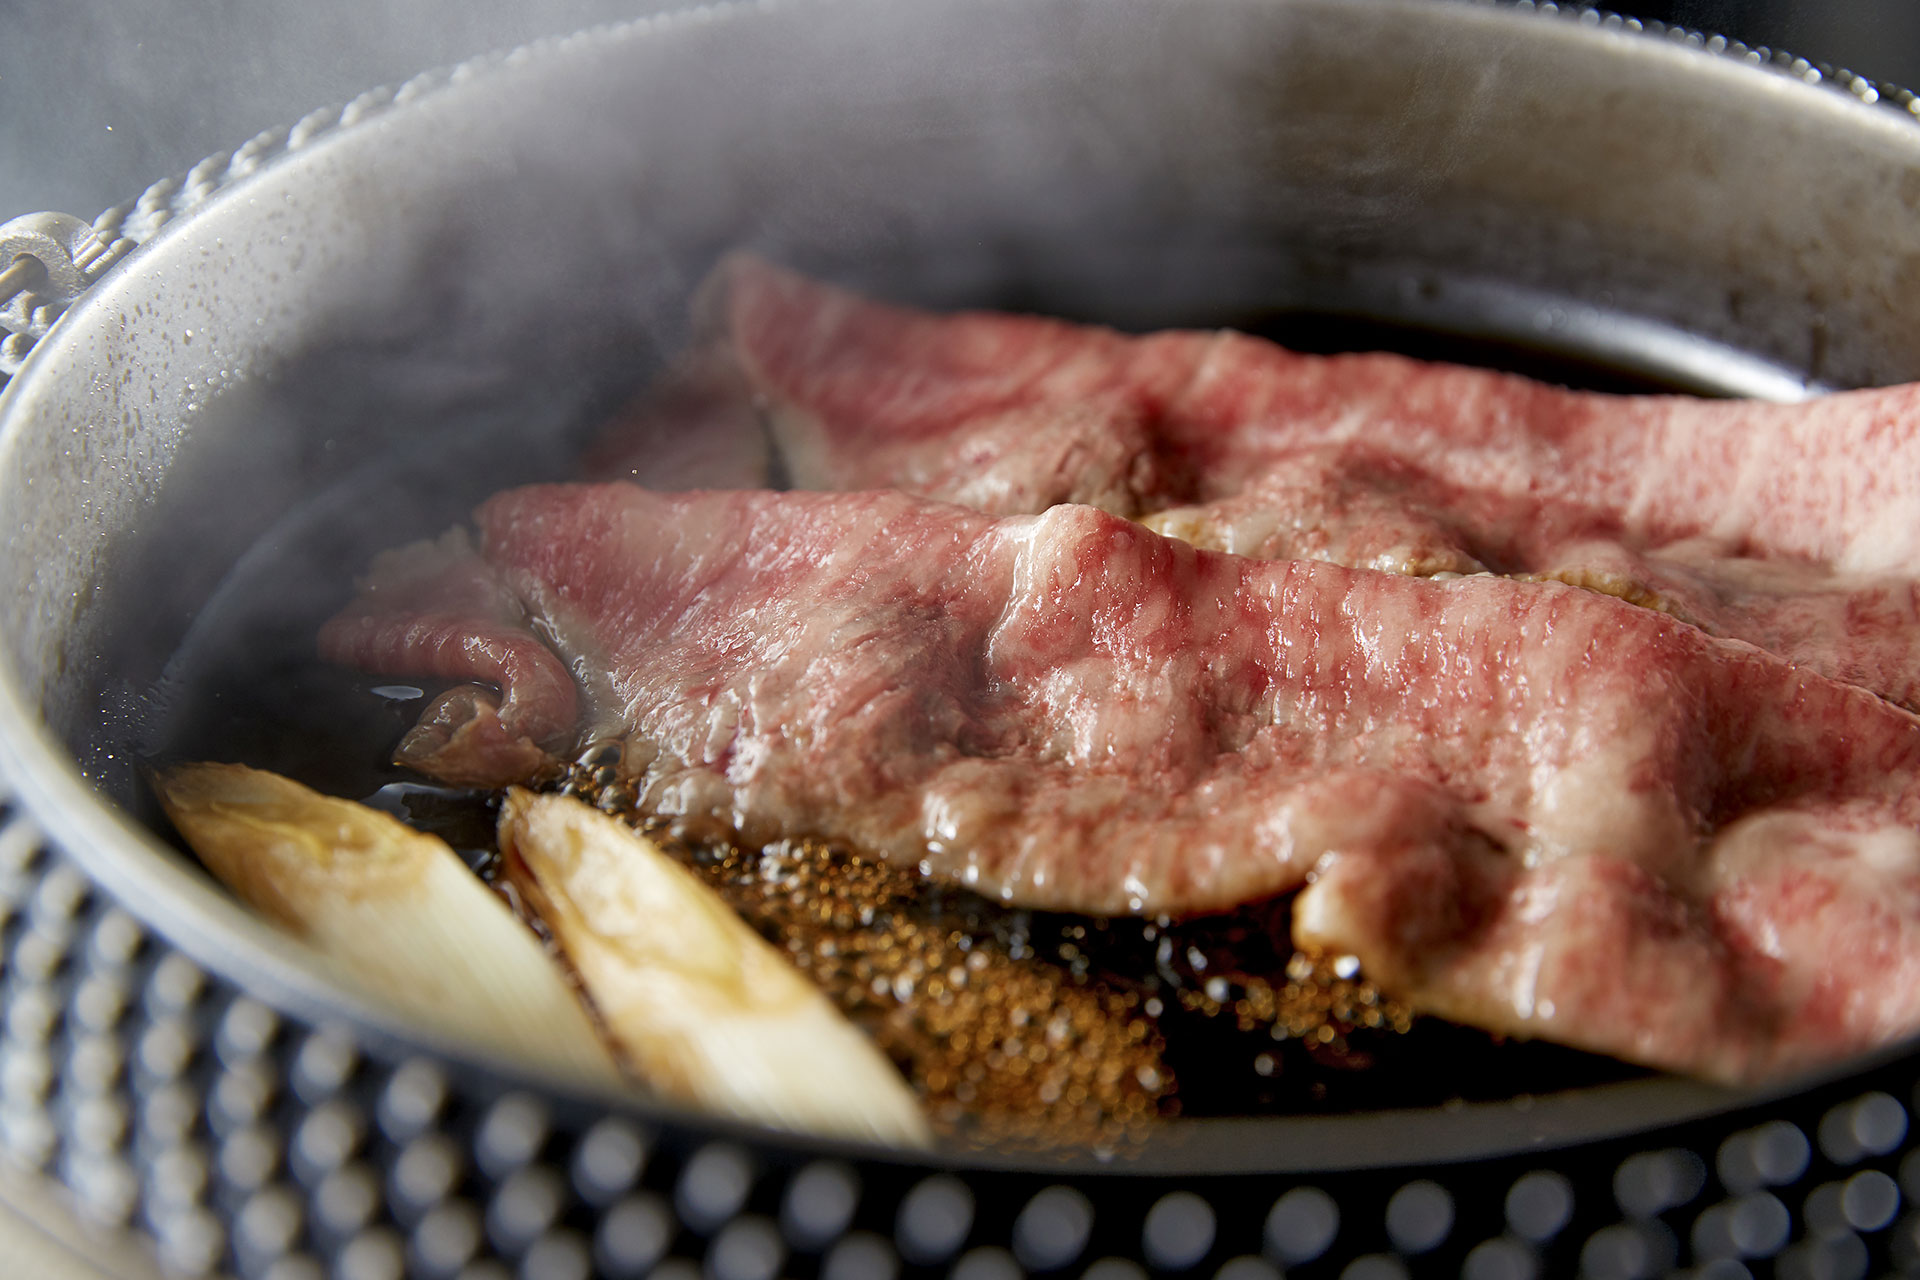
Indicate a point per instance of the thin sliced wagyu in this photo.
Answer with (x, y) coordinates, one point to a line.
(394, 909)
(706, 1010)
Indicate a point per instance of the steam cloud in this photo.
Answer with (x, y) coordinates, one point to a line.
(99, 98)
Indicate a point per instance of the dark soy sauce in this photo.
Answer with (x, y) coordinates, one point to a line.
(246, 686)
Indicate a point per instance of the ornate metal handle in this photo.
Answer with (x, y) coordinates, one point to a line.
(47, 260)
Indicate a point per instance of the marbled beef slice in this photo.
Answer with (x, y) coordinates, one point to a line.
(1524, 805)
(1790, 526)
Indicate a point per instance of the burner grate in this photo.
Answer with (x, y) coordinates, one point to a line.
(248, 1141)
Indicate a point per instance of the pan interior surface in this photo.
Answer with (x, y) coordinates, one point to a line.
(352, 346)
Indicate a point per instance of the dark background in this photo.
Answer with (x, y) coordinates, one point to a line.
(98, 98)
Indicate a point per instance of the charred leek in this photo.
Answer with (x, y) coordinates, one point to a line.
(705, 1009)
(393, 908)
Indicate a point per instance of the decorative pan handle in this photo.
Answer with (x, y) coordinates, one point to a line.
(47, 260)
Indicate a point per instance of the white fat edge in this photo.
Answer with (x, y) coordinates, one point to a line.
(1581, 807)
(1354, 423)
(1319, 917)
(802, 444)
(403, 570)
(962, 800)
(1575, 798)
(1535, 902)
(1885, 545)
(400, 566)
(1889, 850)
(1883, 855)
(558, 626)
(1526, 982)
(1277, 835)
(690, 791)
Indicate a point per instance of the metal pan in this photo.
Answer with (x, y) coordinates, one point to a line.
(445, 283)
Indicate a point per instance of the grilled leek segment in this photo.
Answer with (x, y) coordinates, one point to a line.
(706, 1010)
(393, 908)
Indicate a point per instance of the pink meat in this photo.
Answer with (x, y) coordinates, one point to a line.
(437, 609)
(1526, 805)
(1791, 526)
